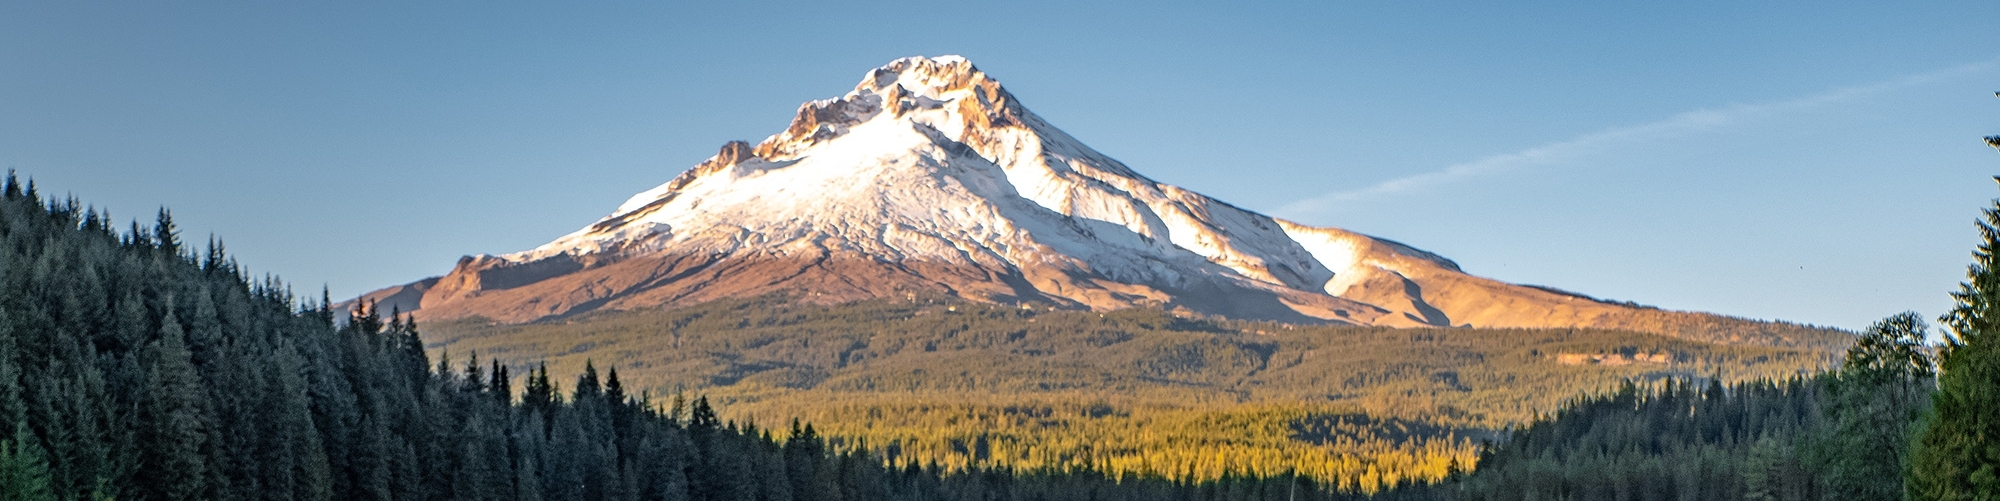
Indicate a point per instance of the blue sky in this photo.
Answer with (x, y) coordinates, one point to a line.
(1811, 161)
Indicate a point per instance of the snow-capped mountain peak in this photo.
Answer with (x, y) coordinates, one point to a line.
(930, 177)
(884, 148)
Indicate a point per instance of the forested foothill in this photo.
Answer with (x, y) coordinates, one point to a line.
(1899, 419)
(1840, 435)
(1138, 391)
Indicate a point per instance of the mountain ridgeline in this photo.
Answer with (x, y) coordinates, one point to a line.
(930, 179)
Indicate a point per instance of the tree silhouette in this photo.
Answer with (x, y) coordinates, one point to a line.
(1956, 453)
(1994, 141)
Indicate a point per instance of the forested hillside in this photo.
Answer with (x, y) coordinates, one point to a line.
(1899, 419)
(1841, 435)
(132, 367)
(1130, 391)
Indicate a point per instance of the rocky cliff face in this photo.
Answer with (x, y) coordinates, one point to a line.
(931, 178)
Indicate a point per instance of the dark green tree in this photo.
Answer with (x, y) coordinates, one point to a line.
(1994, 141)
(802, 451)
(1956, 456)
(587, 386)
(539, 394)
(165, 234)
(24, 470)
(502, 385)
(614, 391)
(1880, 392)
(175, 427)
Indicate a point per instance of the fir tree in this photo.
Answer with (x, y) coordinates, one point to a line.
(175, 428)
(502, 385)
(24, 470)
(587, 386)
(1957, 454)
(614, 391)
(539, 395)
(1993, 141)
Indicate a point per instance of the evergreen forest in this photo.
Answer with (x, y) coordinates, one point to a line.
(135, 366)
(1136, 391)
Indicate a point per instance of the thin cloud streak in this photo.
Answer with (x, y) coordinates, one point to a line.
(1691, 121)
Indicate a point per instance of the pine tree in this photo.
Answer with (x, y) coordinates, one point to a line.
(24, 470)
(475, 376)
(175, 428)
(165, 234)
(1957, 454)
(502, 385)
(614, 391)
(295, 431)
(587, 386)
(1994, 141)
(539, 395)
(803, 451)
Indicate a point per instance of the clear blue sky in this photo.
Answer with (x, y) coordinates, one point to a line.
(1812, 161)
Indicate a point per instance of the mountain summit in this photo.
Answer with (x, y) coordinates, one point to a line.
(930, 178)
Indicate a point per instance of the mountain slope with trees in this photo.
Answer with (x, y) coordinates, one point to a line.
(133, 367)
(1841, 435)
(1899, 419)
(1140, 391)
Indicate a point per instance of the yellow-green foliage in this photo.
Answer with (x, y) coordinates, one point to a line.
(1140, 391)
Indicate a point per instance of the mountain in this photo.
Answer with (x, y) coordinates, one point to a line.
(929, 178)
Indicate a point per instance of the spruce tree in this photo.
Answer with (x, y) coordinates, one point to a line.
(540, 395)
(1956, 456)
(175, 427)
(803, 452)
(165, 234)
(1993, 141)
(614, 391)
(502, 385)
(587, 387)
(24, 470)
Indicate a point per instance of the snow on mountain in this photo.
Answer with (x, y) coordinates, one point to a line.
(929, 177)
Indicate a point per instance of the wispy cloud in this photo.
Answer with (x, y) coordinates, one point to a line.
(1616, 137)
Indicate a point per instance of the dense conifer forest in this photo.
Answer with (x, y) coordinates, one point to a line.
(1899, 419)
(134, 367)
(1842, 435)
(1134, 391)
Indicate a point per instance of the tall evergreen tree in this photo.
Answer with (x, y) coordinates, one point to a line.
(175, 427)
(540, 394)
(587, 386)
(1994, 141)
(1957, 454)
(502, 385)
(24, 469)
(165, 234)
(614, 391)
